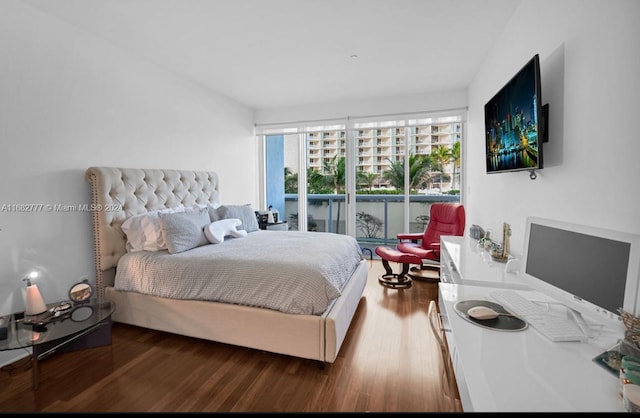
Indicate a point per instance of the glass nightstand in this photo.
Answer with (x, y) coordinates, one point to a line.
(84, 325)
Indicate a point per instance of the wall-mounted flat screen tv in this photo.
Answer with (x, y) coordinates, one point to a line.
(513, 123)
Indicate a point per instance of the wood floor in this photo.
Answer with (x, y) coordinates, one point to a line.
(389, 362)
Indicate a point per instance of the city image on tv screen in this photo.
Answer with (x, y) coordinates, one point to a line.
(512, 123)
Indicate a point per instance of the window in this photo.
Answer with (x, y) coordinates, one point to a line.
(353, 165)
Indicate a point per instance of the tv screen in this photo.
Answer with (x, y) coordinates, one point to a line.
(512, 123)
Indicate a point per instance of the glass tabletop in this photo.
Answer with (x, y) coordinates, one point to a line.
(54, 323)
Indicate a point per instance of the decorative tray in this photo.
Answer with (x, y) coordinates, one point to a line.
(611, 359)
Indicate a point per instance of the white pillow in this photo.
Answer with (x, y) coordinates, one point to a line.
(142, 230)
(153, 238)
(218, 230)
(132, 227)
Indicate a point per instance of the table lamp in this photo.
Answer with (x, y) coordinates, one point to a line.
(33, 299)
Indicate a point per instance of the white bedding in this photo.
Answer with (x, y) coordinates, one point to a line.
(292, 272)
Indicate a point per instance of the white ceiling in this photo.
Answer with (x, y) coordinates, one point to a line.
(280, 53)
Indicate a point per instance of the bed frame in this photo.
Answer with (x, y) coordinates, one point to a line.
(118, 193)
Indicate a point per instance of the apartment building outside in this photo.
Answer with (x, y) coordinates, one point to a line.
(378, 147)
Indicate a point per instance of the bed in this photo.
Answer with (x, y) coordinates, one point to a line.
(121, 193)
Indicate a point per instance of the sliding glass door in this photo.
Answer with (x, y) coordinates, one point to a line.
(326, 177)
(371, 179)
(312, 176)
(402, 166)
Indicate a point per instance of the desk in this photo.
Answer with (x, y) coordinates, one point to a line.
(499, 371)
(463, 262)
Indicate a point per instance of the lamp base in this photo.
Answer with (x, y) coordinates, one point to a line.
(32, 319)
(34, 314)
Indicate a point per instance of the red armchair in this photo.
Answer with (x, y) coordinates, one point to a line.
(444, 219)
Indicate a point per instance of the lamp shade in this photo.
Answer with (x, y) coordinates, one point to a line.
(33, 301)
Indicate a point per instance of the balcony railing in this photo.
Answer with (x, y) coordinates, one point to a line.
(323, 210)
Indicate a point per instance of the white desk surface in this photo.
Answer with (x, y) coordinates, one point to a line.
(475, 266)
(522, 370)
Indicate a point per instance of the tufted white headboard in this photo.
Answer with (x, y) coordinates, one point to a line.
(118, 193)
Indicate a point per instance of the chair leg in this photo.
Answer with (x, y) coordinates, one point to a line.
(429, 272)
(395, 280)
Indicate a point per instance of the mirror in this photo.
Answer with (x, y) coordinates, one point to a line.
(81, 313)
(81, 292)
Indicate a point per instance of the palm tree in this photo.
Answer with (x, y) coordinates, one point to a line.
(367, 178)
(335, 177)
(442, 156)
(317, 182)
(290, 181)
(420, 167)
(455, 155)
(395, 174)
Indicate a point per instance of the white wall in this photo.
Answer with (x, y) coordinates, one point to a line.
(69, 101)
(590, 61)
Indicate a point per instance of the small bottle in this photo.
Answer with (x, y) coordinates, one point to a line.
(270, 219)
(486, 241)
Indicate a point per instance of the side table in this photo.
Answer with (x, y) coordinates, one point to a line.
(275, 226)
(85, 325)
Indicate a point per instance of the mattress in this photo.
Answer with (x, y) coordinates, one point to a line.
(292, 272)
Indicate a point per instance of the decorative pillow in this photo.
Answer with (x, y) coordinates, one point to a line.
(140, 229)
(153, 238)
(218, 230)
(184, 230)
(213, 212)
(243, 212)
